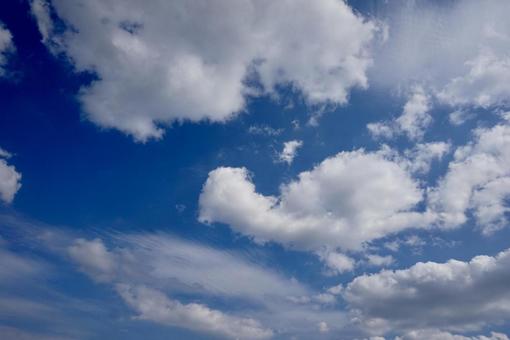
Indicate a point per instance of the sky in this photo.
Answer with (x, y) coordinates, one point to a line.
(249, 169)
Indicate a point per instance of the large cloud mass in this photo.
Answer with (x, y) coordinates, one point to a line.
(170, 60)
(346, 200)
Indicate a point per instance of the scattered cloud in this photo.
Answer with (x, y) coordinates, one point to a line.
(289, 151)
(434, 334)
(379, 261)
(477, 180)
(157, 307)
(484, 85)
(6, 47)
(10, 179)
(413, 121)
(459, 117)
(264, 130)
(455, 295)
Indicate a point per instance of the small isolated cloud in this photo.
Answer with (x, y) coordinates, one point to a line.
(264, 130)
(434, 334)
(6, 47)
(323, 327)
(413, 121)
(484, 85)
(153, 71)
(10, 179)
(289, 151)
(379, 261)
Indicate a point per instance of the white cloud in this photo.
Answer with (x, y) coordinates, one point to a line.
(289, 151)
(10, 179)
(478, 179)
(184, 266)
(459, 117)
(413, 121)
(380, 261)
(348, 199)
(484, 85)
(459, 50)
(40, 9)
(323, 327)
(434, 334)
(20, 334)
(6, 47)
(264, 130)
(150, 269)
(455, 295)
(93, 258)
(337, 262)
(174, 61)
(155, 306)
(421, 156)
(15, 268)
(5, 154)
(234, 285)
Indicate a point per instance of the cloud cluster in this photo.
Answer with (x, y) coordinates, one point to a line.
(10, 179)
(346, 200)
(477, 180)
(455, 295)
(173, 61)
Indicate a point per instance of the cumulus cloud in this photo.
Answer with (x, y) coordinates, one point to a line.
(264, 130)
(348, 199)
(413, 121)
(153, 70)
(155, 306)
(484, 85)
(289, 151)
(477, 180)
(10, 179)
(455, 295)
(6, 47)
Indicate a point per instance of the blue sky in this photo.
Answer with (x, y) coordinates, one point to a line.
(254, 170)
